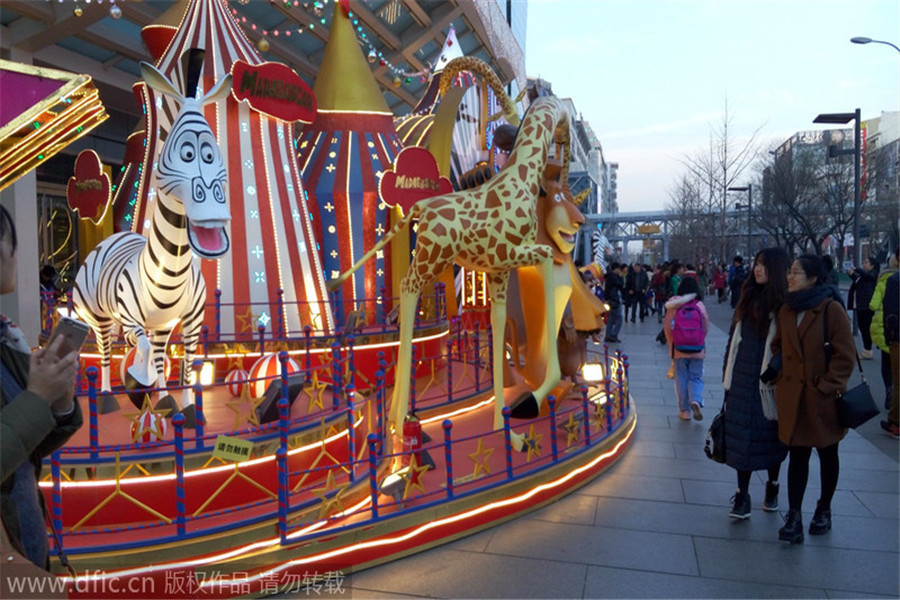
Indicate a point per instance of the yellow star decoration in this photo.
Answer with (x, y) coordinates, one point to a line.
(533, 442)
(333, 501)
(598, 416)
(237, 407)
(235, 362)
(480, 457)
(245, 321)
(147, 408)
(573, 428)
(315, 390)
(413, 476)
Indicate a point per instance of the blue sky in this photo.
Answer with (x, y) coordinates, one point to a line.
(651, 77)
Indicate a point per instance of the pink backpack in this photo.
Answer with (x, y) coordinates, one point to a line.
(687, 328)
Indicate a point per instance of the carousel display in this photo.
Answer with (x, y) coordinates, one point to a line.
(289, 420)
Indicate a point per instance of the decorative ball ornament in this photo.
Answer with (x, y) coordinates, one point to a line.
(148, 427)
(236, 380)
(372, 56)
(265, 370)
(115, 12)
(397, 81)
(263, 45)
(128, 360)
(78, 11)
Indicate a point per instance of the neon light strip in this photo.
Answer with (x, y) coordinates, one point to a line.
(523, 497)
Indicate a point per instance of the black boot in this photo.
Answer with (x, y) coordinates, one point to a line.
(740, 508)
(792, 532)
(821, 521)
(771, 502)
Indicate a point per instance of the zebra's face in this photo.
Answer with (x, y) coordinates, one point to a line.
(191, 169)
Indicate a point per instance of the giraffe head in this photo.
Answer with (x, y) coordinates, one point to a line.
(190, 165)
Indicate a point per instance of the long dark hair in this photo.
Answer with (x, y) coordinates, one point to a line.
(757, 301)
(8, 227)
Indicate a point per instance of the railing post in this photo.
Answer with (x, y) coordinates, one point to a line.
(94, 437)
(351, 432)
(262, 338)
(198, 407)
(585, 415)
(620, 394)
(204, 334)
(448, 454)
(607, 404)
(449, 370)
(218, 315)
(307, 341)
(476, 360)
(507, 434)
(554, 444)
(337, 377)
(351, 340)
(412, 377)
(283, 417)
(379, 408)
(373, 472)
(283, 359)
(281, 459)
(56, 500)
(178, 422)
(280, 293)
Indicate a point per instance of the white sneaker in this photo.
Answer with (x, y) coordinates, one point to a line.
(866, 355)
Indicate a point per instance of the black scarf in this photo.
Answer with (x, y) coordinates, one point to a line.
(808, 298)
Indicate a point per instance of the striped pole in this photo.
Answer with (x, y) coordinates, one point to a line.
(198, 403)
(178, 422)
(204, 332)
(262, 338)
(336, 378)
(554, 444)
(92, 373)
(627, 383)
(281, 459)
(449, 370)
(412, 382)
(218, 315)
(607, 405)
(280, 293)
(351, 339)
(476, 360)
(620, 394)
(307, 341)
(606, 358)
(379, 407)
(585, 415)
(507, 434)
(283, 415)
(448, 454)
(373, 472)
(283, 359)
(56, 500)
(351, 432)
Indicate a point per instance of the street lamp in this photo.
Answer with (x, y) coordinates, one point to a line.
(749, 206)
(843, 119)
(866, 40)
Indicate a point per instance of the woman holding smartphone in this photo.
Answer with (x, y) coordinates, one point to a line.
(38, 413)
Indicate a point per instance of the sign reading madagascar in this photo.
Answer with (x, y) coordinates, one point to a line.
(88, 191)
(415, 176)
(275, 90)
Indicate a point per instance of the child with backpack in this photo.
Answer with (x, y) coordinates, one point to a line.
(685, 325)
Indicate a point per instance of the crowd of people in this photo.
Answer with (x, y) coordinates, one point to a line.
(790, 347)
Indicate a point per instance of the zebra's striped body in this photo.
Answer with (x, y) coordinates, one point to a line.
(148, 285)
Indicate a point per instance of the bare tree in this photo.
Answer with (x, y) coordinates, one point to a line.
(719, 167)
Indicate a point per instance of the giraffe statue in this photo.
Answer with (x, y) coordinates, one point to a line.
(491, 228)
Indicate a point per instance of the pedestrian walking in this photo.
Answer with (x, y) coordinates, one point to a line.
(736, 276)
(877, 327)
(858, 299)
(751, 438)
(813, 358)
(685, 325)
(890, 310)
(720, 276)
(614, 292)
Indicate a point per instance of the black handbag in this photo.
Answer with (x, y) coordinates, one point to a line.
(856, 405)
(714, 448)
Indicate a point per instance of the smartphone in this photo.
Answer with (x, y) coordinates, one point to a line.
(73, 332)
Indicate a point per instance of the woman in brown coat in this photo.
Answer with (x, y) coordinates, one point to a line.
(808, 380)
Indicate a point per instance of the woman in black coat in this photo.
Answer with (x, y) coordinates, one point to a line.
(750, 438)
(858, 298)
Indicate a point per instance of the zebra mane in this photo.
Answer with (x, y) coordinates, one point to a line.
(192, 64)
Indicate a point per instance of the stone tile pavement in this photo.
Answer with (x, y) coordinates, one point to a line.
(656, 524)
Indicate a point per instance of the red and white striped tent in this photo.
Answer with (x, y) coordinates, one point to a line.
(342, 156)
(272, 243)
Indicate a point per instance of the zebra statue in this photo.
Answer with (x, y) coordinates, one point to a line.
(150, 284)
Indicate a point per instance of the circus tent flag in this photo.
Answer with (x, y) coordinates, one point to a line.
(273, 255)
(274, 89)
(342, 153)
